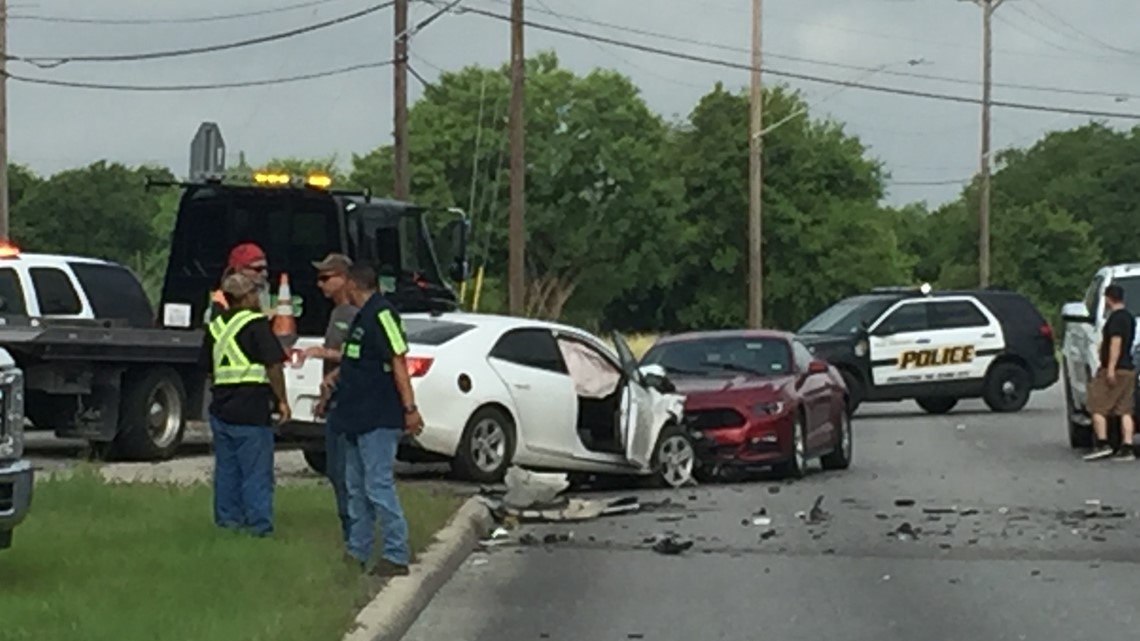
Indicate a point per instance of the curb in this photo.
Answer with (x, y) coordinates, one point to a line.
(393, 611)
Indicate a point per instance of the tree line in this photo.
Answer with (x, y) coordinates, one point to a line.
(639, 223)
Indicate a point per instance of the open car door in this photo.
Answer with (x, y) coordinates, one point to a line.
(637, 425)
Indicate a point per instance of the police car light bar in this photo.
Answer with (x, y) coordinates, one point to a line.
(923, 289)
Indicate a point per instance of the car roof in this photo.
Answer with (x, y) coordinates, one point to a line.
(726, 333)
(35, 260)
(495, 321)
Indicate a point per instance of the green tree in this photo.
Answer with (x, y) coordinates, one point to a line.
(824, 234)
(21, 181)
(600, 201)
(102, 210)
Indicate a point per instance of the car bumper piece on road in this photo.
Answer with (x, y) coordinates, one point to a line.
(15, 493)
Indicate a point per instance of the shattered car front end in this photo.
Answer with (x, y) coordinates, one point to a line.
(757, 435)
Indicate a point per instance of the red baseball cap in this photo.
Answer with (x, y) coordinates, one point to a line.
(245, 255)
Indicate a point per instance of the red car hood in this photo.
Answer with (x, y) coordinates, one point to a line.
(701, 389)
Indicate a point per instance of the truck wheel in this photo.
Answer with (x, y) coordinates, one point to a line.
(1006, 387)
(936, 404)
(152, 418)
(318, 461)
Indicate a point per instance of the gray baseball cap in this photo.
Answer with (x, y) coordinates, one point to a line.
(334, 263)
(238, 285)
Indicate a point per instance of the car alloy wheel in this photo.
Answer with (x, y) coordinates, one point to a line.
(488, 445)
(799, 447)
(676, 459)
(845, 435)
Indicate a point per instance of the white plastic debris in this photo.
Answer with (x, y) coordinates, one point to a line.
(526, 489)
(761, 520)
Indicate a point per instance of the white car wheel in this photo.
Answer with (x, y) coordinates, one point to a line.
(487, 446)
(674, 458)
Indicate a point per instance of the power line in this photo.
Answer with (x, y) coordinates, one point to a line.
(151, 21)
(55, 61)
(200, 87)
(914, 93)
(826, 63)
(1084, 34)
(928, 183)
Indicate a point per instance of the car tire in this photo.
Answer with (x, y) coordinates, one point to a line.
(855, 390)
(1080, 436)
(152, 417)
(794, 467)
(936, 404)
(5, 539)
(1007, 387)
(486, 447)
(317, 461)
(674, 460)
(840, 457)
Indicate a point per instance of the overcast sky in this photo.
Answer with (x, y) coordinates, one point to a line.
(1075, 45)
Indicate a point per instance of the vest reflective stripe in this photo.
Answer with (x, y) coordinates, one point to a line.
(231, 365)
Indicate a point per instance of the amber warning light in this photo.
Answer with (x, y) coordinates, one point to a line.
(316, 181)
(9, 250)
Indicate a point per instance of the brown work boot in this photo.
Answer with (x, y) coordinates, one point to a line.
(386, 568)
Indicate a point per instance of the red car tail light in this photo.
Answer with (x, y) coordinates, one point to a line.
(1047, 331)
(419, 365)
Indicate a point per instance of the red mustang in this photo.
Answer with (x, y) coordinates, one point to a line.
(759, 399)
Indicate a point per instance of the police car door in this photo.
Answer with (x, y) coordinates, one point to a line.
(965, 339)
(900, 332)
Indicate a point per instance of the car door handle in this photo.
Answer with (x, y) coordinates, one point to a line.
(522, 385)
(989, 335)
(923, 341)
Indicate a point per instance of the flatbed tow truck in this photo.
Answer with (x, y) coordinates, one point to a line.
(101, 366)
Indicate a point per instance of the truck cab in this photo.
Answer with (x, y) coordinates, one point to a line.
(297, 220)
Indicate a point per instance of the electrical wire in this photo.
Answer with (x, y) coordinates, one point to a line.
(55, 61)
(1084, 34)
(927, 183)
(200, 87)
(914, 93)
(827, 63)
(152, 21)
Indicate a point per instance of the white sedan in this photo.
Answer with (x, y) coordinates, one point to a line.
(497, 391)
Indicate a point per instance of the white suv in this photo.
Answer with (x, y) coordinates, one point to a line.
(1084, 321)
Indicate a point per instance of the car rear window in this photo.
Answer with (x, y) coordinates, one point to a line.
(1014, 310)
(433, 332)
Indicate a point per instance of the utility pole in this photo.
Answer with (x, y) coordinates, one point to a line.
(400, 112)
(988, 7)
(517, 230)
(756, 176)
(3, 120)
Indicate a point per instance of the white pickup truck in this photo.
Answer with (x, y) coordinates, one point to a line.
(15, 472)
(1084, 322)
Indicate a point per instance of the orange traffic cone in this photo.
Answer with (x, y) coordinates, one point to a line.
(284, 325)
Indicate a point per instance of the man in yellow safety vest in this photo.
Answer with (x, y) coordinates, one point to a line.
(248, 383)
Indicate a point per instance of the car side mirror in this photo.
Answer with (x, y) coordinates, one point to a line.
(1075, 313)
(654, 376)
(817, 367)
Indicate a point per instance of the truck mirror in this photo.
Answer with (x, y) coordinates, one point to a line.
(455, 235)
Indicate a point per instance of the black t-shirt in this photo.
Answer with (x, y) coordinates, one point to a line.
(1120, 323)
(367, 398)
(245, 404)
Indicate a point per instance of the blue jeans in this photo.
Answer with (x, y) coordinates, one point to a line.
(243, 476)
(371, 480)
(335, 464)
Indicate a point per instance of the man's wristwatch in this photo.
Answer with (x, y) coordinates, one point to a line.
(411, 409)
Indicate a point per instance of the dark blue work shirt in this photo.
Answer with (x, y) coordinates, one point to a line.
(366, 394)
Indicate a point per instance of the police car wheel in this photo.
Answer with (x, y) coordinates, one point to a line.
(486, 448)
(1007, 387)
(936, 404)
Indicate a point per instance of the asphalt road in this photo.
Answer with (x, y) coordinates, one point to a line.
(1010, 551)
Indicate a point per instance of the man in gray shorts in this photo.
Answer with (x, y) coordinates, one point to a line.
(332, 278)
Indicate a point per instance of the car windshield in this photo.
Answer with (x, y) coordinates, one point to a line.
(722, 356)
(848, 315)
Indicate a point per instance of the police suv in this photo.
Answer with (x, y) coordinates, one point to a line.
(1084, 321)
(897, 344)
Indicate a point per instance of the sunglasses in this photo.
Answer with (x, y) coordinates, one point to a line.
(258, 268)
(324, 278)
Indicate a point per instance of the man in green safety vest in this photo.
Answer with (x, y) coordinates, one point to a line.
(246, 362)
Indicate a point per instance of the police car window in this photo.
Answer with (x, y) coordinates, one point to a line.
(848, 315)
(956, 315)
(54, 292)
(908, 318)
(11, 293)
(730, 356)
(531, 347)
